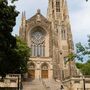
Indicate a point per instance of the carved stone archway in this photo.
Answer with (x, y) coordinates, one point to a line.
(31, 71)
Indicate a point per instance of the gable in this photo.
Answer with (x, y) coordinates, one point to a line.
(38, 17)
(38, 20)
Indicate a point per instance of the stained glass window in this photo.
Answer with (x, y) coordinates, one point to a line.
(38, 43)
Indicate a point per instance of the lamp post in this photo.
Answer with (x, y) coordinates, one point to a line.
(84, 83)
(18, 82)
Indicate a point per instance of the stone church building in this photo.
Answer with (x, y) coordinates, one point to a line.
(50, 40)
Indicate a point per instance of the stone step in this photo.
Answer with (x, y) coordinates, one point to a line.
(52, 84)
(33, 85)
(44, 84)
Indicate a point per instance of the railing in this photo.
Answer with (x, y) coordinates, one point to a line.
(87, 76)
(82, 89)
(77, 76)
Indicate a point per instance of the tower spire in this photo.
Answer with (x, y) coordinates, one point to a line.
(23, 17)
(61, 30)
(23, 25)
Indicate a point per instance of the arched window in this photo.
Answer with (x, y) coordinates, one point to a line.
(52, 4)
(44, 66)
(63, 34)
(38, 42)
(57, 5)
(31, 66)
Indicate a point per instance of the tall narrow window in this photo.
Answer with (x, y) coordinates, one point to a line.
(32, 46)
(37, 43)
(57, 6)
(65, 60)
(52, 4)
(63, 34)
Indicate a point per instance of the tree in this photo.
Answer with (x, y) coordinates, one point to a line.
(15, 60)
(23, 52)
(79, 65)
(84, 68)
(8, 16)
(83, 51)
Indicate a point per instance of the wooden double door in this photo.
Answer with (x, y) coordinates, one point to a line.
(44, 73)
(31, 74)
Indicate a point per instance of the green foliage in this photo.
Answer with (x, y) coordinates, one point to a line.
(79, 65)
(8, 16)
(23, 51)
(13, 1)
(80, 47)
(71, 57)
(85, 67)
(15, 60)
(9, 58)
(82, 50)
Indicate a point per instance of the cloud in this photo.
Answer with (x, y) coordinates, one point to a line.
(30, 6)
(80, 21)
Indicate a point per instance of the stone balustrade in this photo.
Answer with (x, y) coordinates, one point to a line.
(77, 82)
(11, 82)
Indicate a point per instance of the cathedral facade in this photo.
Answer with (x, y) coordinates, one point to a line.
(50, 40)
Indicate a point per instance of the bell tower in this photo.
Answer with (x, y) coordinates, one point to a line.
(58, 15)
(54, 9)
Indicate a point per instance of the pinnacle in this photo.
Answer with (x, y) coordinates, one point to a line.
(38, 11)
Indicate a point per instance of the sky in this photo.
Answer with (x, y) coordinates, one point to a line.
(79, 14)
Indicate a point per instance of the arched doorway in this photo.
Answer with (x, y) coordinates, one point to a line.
(31, 71)
(44, 71)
